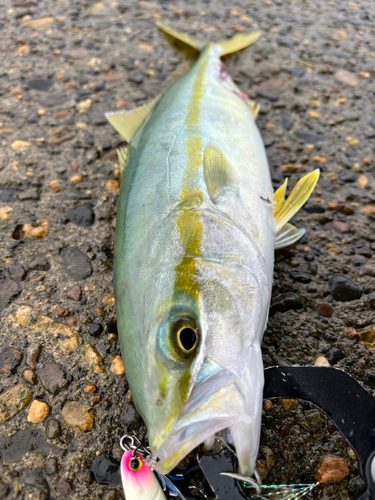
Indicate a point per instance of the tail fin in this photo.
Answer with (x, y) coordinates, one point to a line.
(227, 46)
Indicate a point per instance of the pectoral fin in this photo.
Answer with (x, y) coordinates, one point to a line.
(218, 172)
(285, 209)
(128, 123)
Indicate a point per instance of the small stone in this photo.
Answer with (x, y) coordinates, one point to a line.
(53, 429)
(313, 114)
(95, 329)
(342, 227)
(313, 420)
(60, 135)
(368, 270)
(332, 469)
(368, 210)
(93, 358)
(262, 469)
(75, 293)
(321, 361)
(84, 106)
(309, 137)
(113, 186)
(5, 212)
(301, 277)
(76, 264)
(20, 145)
(17, 272)
(10, 358)
(40, 84)
(329, 335)
(78, 416)
(284, 302)
(36, 232)
(82, 215)
(269, 456)
(9, 290)
(39, 262)
(267, 404)
(109, 300)
(51, 466)
(55, 98)
(343, 288)
(348, 177)
(75, 179)
(371, 300)
(72, 321)
(324, 309)
(335, 355)
(117, 366)
(29, 194)
(289, 404)
(62, 312)
(38, 23)
(346, 77)
(55, 185)
(89, 389)
(13, 401)
(32, 354)
(136, 78)
(38, 412)
(65, 488)
(356, 486)
(30, 377)
(53, 378)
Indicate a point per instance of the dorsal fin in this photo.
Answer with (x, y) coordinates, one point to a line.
(128, 123)
(218, 172)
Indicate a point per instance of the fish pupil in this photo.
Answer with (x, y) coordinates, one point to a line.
(188, 338)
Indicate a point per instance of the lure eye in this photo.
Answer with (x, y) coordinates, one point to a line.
(187, 339)
(135, 465)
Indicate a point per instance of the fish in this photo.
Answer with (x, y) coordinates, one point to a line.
(138, 480)
(196, 229)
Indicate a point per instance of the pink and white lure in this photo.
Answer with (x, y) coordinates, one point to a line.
(138, 480)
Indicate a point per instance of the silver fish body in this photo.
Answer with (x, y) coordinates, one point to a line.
(193, 265)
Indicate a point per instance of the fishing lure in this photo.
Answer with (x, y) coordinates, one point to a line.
(138, 480)
(196, 230)
(140, 477)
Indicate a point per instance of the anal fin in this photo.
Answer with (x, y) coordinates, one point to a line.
(128, 123)
(288, 235)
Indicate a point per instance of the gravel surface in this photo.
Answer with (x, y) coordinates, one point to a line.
(63, 64)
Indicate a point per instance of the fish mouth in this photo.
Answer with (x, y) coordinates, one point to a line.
(215, 403)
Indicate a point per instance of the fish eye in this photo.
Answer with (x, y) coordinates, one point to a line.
(135, 465)
(187, 339)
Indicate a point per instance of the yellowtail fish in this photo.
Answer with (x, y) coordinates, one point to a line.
(197, 226)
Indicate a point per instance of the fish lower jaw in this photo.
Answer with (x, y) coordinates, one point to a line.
(183, 441)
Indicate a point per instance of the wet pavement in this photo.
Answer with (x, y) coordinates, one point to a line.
(64, 397)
